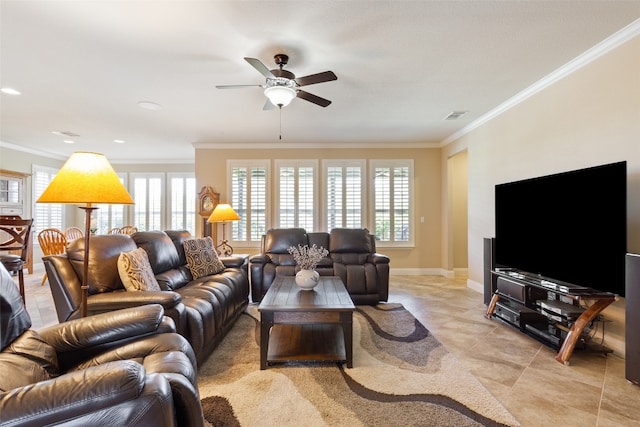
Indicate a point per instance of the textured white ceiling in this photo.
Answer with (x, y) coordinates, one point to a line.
(402, 66)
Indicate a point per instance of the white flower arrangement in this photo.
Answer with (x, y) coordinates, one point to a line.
(307, 257)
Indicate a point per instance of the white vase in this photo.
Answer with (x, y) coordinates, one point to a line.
(307, 279)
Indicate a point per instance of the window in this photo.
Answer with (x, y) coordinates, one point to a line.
(344, 194)
(249, 189)
(392, 195)
(47, 215)
(148, 197)
(182, 202)
(343, 200)
(296, 184)
(109, 216)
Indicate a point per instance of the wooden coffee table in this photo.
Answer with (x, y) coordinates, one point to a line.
(315, 325)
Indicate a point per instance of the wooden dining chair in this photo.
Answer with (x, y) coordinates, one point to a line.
(73, 233)
(114, 230)
(14, 237)
(128, 229)
(52, 242)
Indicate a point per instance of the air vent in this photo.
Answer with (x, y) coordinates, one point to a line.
(455, 115)
(65, 133)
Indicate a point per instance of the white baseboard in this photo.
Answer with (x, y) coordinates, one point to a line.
(420, 272)
(476, 286)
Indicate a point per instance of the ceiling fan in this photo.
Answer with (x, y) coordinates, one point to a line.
(282, 86)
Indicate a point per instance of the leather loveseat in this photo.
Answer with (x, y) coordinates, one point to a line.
(203, 309)
(128, 367)
(352, 257)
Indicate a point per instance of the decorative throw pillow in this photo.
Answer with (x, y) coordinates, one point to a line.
(135, 271)
(202, 257)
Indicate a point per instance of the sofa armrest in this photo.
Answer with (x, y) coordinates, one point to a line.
(116, 300)
(74, 394)
(234, 261)
(105, 330)
(377, 258)
(259, 259)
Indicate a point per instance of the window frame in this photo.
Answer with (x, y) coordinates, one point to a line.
(328, 163)
(277, 176)
(189, 202)
(249, 164)
(392, 163)
(50, 208)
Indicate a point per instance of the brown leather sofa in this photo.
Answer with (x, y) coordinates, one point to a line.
(352, 257)
(128, 367)
(203, 309)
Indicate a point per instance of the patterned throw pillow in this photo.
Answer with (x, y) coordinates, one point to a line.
(202, 258)
(135, 271)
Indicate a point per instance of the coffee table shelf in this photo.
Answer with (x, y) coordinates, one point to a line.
(310, 343)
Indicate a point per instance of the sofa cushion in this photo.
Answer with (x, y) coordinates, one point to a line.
(104, 251)
(279, 240)
(178, 237)
(350, 240)
(135, 271)
(162, 253)
(202, 258)
(30, 359)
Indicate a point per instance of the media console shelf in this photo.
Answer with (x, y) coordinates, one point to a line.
(519, 295)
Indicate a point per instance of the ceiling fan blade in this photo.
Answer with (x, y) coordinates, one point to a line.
(236, 86)
(313, 98)
(262, 69)
(268, 106)
(311, 79)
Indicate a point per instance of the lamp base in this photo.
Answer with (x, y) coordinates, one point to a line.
(224, 248)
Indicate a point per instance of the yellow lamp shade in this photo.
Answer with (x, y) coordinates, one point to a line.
(223, 212)
(86, 178)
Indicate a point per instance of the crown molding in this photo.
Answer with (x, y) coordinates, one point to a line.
(313, 145)
(42, 153)
(607, 45)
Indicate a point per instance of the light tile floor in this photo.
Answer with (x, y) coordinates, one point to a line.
(519, 371)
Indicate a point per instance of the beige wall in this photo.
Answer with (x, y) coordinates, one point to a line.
(590, 117)
(211, 169)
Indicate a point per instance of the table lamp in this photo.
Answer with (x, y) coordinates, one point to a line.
(223, 213)
(86, 178)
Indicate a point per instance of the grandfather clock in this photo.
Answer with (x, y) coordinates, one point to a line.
(207, 201)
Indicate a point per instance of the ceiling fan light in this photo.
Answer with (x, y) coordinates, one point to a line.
(280, 96)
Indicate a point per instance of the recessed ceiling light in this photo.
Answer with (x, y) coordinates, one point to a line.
(119, 141)
(10, 91)
(148, 105)
(68, 141)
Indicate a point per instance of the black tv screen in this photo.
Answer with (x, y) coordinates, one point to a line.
(569, 227)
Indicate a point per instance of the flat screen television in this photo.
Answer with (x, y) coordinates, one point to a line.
(569, 227)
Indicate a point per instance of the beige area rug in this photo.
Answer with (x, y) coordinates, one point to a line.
(402, 376)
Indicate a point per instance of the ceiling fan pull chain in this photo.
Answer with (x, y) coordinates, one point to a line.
(280, 122)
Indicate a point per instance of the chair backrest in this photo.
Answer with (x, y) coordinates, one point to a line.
(15, 234)
(73, 233)
(52, 241)
(128, 229)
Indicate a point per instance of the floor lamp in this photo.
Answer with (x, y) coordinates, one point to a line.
(223, 213)
(86, 179)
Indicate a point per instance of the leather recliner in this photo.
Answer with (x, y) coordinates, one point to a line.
(128, 367)
(352, 257)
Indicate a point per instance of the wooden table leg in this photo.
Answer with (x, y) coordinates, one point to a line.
(266, 322)
(346, 318)
(492, 305)
(581, 322)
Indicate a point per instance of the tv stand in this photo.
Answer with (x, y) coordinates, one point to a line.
(524, 290)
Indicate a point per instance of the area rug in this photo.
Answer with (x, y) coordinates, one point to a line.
(401, 376)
